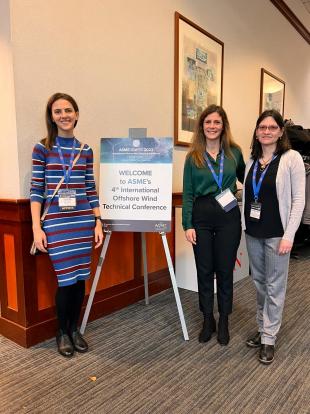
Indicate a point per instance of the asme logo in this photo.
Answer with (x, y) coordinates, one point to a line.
(160, 226)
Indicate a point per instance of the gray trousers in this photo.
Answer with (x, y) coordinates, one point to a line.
(269, 272)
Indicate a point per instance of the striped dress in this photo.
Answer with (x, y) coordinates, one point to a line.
(69, 233)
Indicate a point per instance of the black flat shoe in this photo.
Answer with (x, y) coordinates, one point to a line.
(266, 354)
(64, 345)
(209, 326)
(254, 341)
(79, 343)
(223, 333)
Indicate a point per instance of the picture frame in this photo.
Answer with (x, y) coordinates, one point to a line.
(198, 76)
(272, 92)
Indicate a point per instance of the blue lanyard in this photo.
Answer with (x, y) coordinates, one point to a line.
(67, 171)
(218, 179)
(256, 187)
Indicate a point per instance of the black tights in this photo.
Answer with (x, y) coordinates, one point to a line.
(69, 301)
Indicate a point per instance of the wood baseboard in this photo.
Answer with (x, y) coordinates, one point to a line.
(46, 329)
(28, 283)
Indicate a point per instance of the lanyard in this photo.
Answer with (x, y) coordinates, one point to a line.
(218, 179)
(256, 187)
(67, 172)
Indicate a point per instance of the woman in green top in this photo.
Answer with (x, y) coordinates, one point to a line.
(211, 216)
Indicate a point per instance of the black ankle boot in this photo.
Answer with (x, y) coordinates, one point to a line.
(64, 344)
(79, 343)
(209, 326)
(223, 333)
(266, 354)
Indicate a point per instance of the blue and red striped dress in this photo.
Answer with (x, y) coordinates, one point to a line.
(69, 233)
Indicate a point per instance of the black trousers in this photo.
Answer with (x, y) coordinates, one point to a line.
(217, 236)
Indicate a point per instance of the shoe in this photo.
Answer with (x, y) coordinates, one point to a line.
(266, 354)
(223, 333)
(79, 343)
(209, 326)
(254, 341)
(64, 345)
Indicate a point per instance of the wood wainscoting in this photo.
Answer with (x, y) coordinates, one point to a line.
(28, 283)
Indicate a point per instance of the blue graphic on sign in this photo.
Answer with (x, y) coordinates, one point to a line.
(136, 150)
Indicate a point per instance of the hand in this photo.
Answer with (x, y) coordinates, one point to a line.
(40, 239)
(98, 234)
(285, 247)
(190, 235)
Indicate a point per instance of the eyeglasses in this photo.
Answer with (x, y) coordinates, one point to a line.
(271, 128)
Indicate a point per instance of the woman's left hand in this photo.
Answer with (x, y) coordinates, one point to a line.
(98, 234)
(285, 247)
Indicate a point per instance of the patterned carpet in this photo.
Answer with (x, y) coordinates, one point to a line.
(139, 363)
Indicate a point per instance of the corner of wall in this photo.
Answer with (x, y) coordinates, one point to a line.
(9, 166)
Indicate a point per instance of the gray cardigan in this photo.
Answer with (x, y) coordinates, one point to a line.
(290, 186)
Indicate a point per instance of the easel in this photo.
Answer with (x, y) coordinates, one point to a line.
(146, 288)
(137, 133)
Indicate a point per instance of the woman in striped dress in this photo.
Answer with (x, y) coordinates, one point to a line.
(73, 218)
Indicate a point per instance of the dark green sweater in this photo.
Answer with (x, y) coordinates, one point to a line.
(199, 181)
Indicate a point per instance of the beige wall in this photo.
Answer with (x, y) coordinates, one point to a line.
(9, 170)
(116, 58)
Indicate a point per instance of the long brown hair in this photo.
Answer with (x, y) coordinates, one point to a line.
(51, 127)
(197, 149)
(283, 143)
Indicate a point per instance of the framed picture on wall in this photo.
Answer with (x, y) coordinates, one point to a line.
(198, 63)
(272, 92)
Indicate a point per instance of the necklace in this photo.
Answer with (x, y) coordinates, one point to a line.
(263, 163)
(213, 153)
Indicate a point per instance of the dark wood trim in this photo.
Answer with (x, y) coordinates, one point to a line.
(46, 329)
(137, 243)
(158, 281)
(15, 210)
(31, 324)
(292, 18)
(17, 316)
(13, 331)
(14, 201)
(176, 200)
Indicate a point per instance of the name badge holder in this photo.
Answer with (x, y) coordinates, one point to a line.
(66, 197)
(226, 199)
(256, 206)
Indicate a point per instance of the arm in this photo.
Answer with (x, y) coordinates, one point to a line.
(92, 196)
(190, 235)
(98, 228)
(37, 195)
(298, 185)
(240, 168)
(90, 187)
(188, 200)
(39, 236)
(247, 169)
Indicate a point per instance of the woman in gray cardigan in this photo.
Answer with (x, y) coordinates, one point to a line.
(273, 203)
